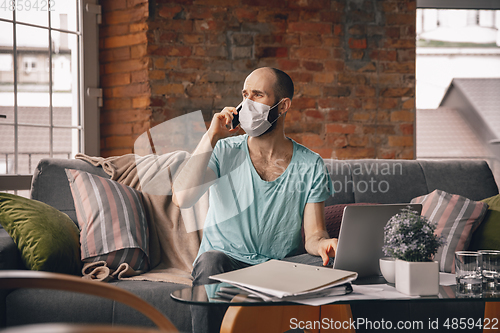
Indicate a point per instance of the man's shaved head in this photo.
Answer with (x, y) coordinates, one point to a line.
(282, 85)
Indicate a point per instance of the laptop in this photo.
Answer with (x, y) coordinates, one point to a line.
(361, 237)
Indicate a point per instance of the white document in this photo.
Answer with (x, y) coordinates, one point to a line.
(447, 279)
(363, 292)
(277, 278)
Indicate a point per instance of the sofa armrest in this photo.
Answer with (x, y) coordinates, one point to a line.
(10, 256)
(50, 183)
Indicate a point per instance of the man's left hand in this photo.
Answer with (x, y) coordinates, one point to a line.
(327, 248)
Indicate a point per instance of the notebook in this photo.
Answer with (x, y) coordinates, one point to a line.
(361, 237)
(278, 278)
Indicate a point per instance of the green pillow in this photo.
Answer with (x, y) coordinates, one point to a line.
(487, 236)
(48, 239)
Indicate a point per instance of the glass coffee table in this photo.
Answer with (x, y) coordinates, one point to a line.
(248, 314)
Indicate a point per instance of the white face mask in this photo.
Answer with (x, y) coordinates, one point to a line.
(253, 117)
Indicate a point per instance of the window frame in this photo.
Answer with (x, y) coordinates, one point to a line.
(88, 77)
(91, 142)
(459, 4)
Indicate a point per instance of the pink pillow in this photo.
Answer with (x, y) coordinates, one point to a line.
(457, 218)
(112, 221)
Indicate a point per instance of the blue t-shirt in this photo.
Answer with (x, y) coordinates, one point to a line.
(254, 220)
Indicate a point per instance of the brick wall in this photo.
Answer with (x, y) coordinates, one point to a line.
(352, 61)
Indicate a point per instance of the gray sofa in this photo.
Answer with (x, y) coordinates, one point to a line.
(355, 181)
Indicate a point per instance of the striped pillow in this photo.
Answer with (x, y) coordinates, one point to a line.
(457, 217)
(112, 221)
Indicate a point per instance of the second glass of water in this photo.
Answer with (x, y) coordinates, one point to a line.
(468, 271)
(491, 272)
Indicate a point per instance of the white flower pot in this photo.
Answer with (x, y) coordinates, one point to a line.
(417, 278)
(388, 269)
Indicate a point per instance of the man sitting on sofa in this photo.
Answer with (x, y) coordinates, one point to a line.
(264, 185)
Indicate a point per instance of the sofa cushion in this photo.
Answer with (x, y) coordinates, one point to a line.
(47, 239)
(456, 217)
(112, 221)
(487, 235)
(333, 219)
(469, 178)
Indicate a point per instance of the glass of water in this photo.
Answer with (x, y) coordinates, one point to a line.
(468, 271)
(491, 272)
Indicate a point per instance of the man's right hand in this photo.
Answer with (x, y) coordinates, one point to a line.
(220, 127)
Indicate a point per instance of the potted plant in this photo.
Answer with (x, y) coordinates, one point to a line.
(409, 238)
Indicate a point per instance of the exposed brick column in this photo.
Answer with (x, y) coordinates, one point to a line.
(378, 80)
(124, 75)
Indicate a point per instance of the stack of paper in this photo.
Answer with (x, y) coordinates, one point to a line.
(287, 281)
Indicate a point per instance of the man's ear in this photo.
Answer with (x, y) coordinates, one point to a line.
(286, 104)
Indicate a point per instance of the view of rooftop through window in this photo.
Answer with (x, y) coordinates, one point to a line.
(458, 85)
(454, 44)
(39, 83)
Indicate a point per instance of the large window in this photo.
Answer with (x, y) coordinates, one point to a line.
(458, 80)
(454, 43)
(42, 85)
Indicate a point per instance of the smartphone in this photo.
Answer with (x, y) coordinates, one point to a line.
(236, 118)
